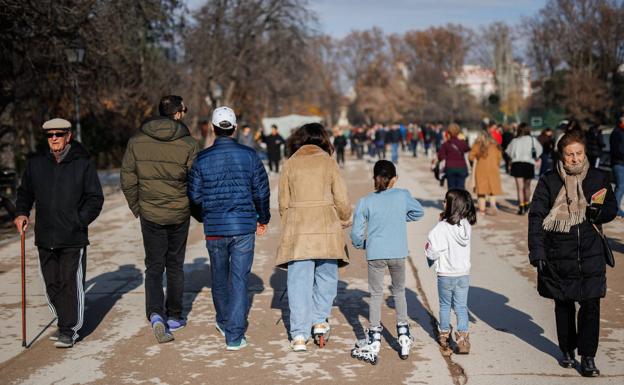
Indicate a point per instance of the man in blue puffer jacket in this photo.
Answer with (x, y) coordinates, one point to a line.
(228, 181)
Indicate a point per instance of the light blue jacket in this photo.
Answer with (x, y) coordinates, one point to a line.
(379, 223)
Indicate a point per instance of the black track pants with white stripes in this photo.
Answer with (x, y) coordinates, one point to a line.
(63, 274)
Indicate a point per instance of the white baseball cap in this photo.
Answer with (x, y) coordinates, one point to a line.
(224, 117)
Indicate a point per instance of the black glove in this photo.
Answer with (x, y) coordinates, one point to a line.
(593, 212)
(540, 264)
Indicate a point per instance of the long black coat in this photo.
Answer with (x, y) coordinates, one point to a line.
(575, 264)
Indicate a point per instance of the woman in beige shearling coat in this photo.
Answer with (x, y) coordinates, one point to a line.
(314, 207)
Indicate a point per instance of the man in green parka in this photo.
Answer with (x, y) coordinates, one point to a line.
(153, 180)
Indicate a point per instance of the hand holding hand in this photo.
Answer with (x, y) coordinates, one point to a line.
(20, 221)
(261, 229)
(347, 224)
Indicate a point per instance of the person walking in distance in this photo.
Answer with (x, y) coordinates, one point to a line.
(569, 206)
(548, 147)
(340, 143)
(452, 152)
(524, 151)
(393, 137)
(595, 144)
(63, 184)
(229, 182)
(448, 251)
(379, 227)
(153, 180)
(314, 207)
(487, 154)
(274, 142)
(246, 138)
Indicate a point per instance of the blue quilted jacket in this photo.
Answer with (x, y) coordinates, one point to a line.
(230, 184)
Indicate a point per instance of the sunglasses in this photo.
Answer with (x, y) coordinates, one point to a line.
(185, 109)
(50, 135)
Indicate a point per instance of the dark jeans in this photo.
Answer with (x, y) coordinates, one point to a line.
(165, 246)
(230, 264)
(381, 150)
(456, 179)
(585, 337)
(359, 150)
(414, 146)
(63, 272)
(340, 155)
(274, 161)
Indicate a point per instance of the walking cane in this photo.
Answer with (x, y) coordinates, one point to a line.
(23, 244)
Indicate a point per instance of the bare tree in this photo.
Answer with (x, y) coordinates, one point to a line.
(577, 48)
(128, 63)
(249, 53)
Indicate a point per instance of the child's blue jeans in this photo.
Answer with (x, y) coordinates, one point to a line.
(453, 293)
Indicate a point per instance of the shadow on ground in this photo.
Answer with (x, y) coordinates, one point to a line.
(197, 276)
(105, 290)
(493, 309)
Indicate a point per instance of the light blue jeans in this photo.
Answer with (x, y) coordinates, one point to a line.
(312, 286)
(453, 293)
(618, 174)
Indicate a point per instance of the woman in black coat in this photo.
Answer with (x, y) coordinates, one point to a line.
(568, 251)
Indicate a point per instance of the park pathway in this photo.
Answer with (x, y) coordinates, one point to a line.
(512, 328)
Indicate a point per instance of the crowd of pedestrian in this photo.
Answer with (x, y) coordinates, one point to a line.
(167, 177)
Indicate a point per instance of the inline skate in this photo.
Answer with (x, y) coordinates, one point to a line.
(368, 349)
(320, 333)
(404, 339)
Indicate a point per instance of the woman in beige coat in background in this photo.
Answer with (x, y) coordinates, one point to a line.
(314, 208)
(487, 153)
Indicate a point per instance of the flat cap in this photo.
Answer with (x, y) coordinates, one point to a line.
(57, 124)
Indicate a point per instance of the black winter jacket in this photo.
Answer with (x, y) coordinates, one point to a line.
(68, 197)
(575, 265)
(340, 142)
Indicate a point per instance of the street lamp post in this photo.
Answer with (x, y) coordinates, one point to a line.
(218, 92)
(75, 56)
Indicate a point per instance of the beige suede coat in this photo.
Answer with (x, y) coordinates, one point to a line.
(487, 172)
(313, 205)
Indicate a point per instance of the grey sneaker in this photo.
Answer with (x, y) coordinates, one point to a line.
(237, 345)
(64, 341)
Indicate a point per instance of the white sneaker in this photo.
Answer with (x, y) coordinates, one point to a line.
(298, 344)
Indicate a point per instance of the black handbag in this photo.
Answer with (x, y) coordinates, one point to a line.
(608, 253)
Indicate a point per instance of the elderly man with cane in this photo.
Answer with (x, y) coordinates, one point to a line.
(63, 184)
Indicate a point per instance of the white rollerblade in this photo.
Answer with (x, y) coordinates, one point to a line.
(405, 339)
(320, 332)
(368, 349)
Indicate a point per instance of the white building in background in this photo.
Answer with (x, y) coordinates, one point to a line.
(478, 80)
(481, 81)
(524, 80)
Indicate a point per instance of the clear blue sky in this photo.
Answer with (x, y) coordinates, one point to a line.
(339, 17)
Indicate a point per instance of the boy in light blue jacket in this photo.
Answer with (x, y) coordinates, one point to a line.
(379, 226)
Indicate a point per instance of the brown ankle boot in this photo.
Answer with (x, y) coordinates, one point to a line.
(444, 339)
(463, 342)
